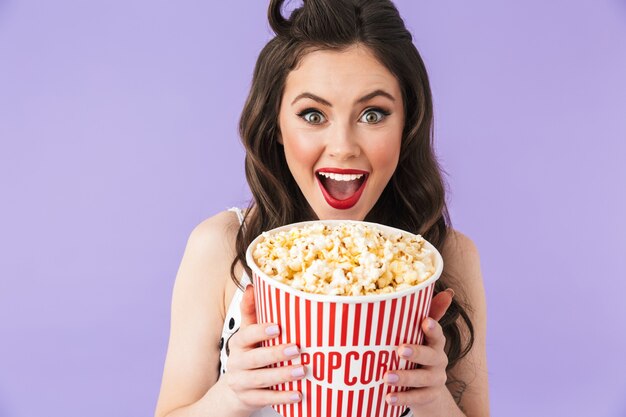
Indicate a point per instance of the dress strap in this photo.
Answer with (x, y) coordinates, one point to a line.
(239, 214)
(245, 279)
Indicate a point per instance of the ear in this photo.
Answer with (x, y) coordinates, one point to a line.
(279, 138)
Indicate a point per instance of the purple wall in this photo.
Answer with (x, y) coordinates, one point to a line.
(118, 134)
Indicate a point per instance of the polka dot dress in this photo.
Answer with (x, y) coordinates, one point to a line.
(231, 325)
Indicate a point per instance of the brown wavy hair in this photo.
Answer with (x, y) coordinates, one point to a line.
(414, 198)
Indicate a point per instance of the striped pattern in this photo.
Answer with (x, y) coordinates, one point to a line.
(346, 347)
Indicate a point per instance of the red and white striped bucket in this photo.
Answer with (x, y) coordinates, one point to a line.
(347, 343)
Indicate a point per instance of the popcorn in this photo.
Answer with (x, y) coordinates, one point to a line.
(344, 259)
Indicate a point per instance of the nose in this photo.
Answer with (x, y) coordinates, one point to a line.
(342, 143)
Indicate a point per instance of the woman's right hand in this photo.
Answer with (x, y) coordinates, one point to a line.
(247, 375)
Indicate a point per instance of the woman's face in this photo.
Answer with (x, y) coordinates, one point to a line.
(341, 120)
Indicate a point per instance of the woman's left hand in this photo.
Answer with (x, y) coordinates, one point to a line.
(428, 394)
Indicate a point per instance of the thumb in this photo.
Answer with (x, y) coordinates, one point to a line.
(440, 303)
(248, 310)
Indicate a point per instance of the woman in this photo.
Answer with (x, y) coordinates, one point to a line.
(340, 90)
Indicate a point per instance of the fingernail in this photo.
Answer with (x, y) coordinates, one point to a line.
(392, 378)
(450, 291)
(291, 351)
(295, 396)
(406, 352)
(430, 324)
(297, 372)
(272, 330)
(392, 399)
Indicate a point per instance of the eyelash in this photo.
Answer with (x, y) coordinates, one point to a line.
(307, 111)
(384, 113)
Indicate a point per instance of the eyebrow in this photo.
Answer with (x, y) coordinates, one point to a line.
(365, 98)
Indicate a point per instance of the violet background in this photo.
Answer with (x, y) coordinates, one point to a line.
(118, 134)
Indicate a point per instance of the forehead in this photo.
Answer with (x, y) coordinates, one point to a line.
(340, 74)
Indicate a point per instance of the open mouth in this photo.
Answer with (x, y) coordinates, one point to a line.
(341, 188)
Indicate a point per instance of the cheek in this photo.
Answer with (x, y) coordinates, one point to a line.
(384, 154)
(302, 148)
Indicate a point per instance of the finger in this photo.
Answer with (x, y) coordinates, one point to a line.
(264, 356)
(433, 334)
(264, 378)
(263, 397)
(421, 354)
(248, 310)
(440, 303)
(414, 397)
(416, 378)
(250, 336)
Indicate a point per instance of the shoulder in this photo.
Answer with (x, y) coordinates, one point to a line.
(210, 241)
(461, 261)
(205, 268)
(212, 233)
(460, 254)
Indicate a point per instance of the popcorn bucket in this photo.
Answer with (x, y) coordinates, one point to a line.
(347, 343)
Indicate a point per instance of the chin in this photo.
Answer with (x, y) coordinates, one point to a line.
(328, 213)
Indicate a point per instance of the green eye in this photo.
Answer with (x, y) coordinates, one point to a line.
(373, 116)
(312, 116)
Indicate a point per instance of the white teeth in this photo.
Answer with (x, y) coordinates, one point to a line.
(341, 177)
